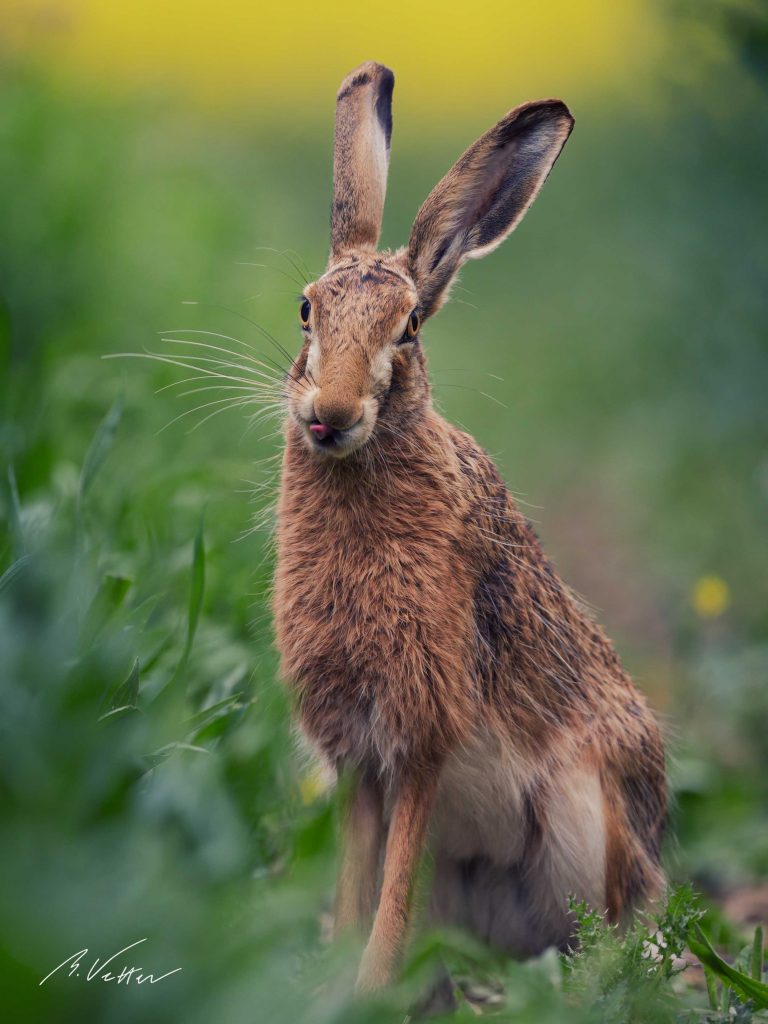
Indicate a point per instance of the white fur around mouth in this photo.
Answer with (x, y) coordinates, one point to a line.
(341, 443)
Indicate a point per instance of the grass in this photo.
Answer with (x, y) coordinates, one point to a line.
(149, 784)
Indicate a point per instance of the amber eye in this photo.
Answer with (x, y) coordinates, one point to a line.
(304, 312)
(414, 322)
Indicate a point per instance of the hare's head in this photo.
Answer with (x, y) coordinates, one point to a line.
(361, 368)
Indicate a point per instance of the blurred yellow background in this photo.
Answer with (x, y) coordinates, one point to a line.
(448, 56)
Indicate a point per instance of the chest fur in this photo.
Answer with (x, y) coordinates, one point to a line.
(374, 620)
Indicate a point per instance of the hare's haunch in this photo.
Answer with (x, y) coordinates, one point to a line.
(432, 649)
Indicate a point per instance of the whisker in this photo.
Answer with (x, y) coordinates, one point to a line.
(234, 312)
(238, 341)
(227, 402)
(239, 402)
(466, 387)
(266, 266)
(284, 254)
(235, 355)
(159, 357)
(228, 387)
(264, 388)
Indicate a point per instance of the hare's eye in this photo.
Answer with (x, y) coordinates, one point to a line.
(304, 312)
(412, 329)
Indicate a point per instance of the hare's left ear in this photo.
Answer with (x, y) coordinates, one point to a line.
(361, 157)
(485, 195)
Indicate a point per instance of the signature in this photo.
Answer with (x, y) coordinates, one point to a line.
(98, 971)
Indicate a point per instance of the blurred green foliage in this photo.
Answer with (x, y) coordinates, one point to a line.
(149, 786)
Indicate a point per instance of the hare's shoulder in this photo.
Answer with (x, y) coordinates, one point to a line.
(498, 525)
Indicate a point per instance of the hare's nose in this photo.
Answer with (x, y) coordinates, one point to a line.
(333, 415)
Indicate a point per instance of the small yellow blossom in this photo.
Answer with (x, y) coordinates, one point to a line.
(311, 787)
(710, 596)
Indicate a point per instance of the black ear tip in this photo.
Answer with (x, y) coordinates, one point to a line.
(365, 74)
(564, 111)
(555, 110)
(387, 78)
(380, 71)
(384, 102)
(538, 114)
(549, 109)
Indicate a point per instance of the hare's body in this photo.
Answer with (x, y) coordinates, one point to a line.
(404, 650)
(431, 646)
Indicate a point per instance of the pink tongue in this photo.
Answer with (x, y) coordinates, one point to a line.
(320, 431)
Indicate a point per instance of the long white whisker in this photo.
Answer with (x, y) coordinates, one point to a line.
(229, 402)
(258, 385)
(184, 365)
(226, 351)
(239, 341)
(266, 394)
(221, 362)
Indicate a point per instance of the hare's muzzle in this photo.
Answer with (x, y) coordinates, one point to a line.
(325, 435)
(334, 438)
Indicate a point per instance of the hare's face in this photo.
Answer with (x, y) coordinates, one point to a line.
(360, 322)
(361, 366)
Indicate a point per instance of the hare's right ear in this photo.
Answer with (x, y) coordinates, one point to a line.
(361, 157)
(484, 196)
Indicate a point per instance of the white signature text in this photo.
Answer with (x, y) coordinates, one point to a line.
(98, 969)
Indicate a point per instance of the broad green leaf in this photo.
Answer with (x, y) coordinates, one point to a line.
(757, 991)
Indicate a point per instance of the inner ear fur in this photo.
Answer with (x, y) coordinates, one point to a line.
(361, 157)
(485, 195)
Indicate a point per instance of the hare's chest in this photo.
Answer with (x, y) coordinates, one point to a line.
(375, 637)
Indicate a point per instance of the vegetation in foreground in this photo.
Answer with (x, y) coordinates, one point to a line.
(149, 787)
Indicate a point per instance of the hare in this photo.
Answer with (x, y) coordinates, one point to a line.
(432, 650)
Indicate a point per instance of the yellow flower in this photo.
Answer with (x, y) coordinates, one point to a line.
(311, 787)
(710, 596)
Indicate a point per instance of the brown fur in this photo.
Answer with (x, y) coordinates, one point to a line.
(430, 644)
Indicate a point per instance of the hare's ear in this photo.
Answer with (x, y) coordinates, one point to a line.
(361, 157)
(484, 195)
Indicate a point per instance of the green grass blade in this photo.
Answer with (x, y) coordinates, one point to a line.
(196, 594)
(222, 707)
(127, 693)
(121, 712)
(13, 571)
(757, 953)
(106, 602)
(711, 980)
(99, 447)
(757, 991)
(197, 589)
(14, 512)
(725, 999)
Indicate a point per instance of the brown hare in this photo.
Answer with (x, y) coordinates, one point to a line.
(432, 649)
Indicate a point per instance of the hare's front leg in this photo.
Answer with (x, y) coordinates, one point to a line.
(363, 832)
(405, 842)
